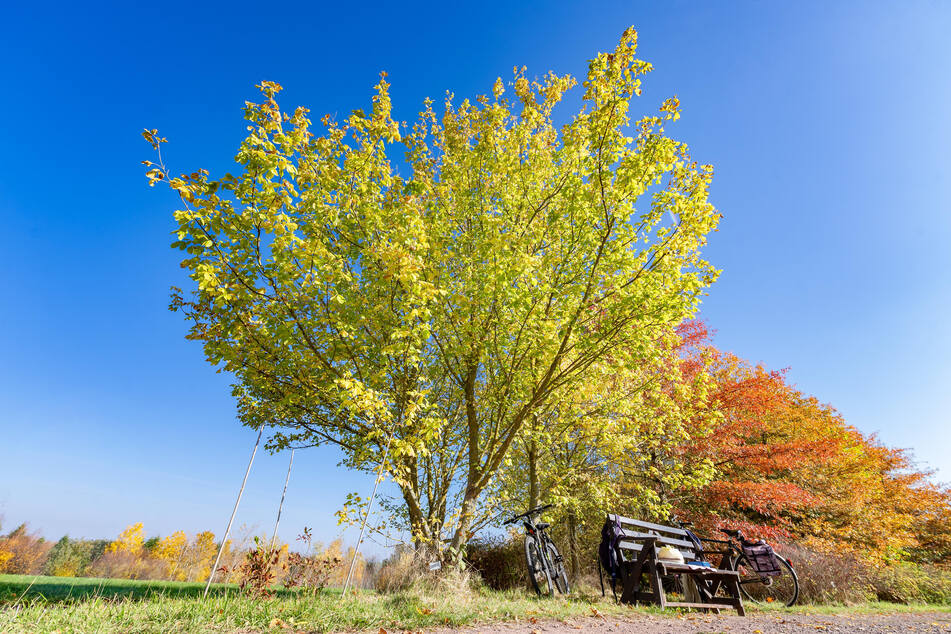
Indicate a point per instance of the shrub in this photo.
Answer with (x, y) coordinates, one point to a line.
(257, 571)
(126, 557)
(399, 572)
(73, 557)
(912, 583)
(199, 557)
(311, 570)
(829, 577)
(22, 552)
(127, 565)
(500, 561)
(407, 570)
(846, 578)
(171, 550)
(371, 568)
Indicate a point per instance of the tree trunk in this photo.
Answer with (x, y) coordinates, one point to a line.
(573, 546)
(461, 537)
(532, 473)
(419, 528)
(473, 475)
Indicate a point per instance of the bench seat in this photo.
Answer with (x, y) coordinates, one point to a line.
(637, 554)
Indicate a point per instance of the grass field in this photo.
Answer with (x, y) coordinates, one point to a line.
(50, 604)
(58, 589)
(47, 604)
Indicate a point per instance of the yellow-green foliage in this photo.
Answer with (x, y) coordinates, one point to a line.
(175, 557)
(129, 541)
(171, 550)
(433, 312)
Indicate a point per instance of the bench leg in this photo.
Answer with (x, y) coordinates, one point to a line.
(636, 569)
(707, 590)
(737, 597)
(657, 587)
(631, 581)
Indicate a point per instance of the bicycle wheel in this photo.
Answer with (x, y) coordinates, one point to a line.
(557, 564)
(538, 575)
(781, 589)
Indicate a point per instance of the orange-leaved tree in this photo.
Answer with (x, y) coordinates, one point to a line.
(789, 467)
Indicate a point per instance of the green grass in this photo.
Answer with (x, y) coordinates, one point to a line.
(48, 604)
(54, 589)
(870, 607)
(108, 605)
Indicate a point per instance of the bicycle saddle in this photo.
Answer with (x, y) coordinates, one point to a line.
(542, 525)
(730, 531)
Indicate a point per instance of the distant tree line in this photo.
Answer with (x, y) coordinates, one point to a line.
(176, 557)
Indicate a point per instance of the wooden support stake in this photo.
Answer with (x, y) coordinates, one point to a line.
(283, 493)
(233, 512)
(356, 551)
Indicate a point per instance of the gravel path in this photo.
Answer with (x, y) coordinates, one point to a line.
(709, 624)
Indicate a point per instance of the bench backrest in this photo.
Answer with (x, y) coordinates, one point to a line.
(665, 536)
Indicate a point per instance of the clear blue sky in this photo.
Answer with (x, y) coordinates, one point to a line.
(828, 123)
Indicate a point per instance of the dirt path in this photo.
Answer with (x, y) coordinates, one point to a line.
(709, 624)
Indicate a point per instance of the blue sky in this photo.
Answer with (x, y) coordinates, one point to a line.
(828, 125)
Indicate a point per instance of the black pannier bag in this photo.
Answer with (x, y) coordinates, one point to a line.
(762, 558)
(611, 534)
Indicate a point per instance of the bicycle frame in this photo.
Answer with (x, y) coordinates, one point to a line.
(541, 542)
(547, 558)
(730, 551)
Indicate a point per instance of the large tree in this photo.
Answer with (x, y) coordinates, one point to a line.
(430, 313)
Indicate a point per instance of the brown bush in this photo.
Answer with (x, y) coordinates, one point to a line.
(22, 552)
(408, 570)
(310, 572)
(828, 577)
(400, 572)
(847, 578)
(500, 561)
(318, 567)
(371, 569)
(257, 571)
(127, 565)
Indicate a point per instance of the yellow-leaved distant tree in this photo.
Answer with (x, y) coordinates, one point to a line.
(200, 556)
(130, 540)
(171, 551)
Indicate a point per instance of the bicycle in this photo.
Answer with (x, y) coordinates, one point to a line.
(546, 566)
(780, 587)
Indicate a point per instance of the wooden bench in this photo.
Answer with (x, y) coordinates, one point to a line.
(637, 556)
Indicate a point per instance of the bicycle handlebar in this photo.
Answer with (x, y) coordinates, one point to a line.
(534, 511)
(679, 523)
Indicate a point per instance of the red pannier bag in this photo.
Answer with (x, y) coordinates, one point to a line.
(762, 558)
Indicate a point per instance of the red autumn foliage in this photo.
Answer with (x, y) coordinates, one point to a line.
(789, 467)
